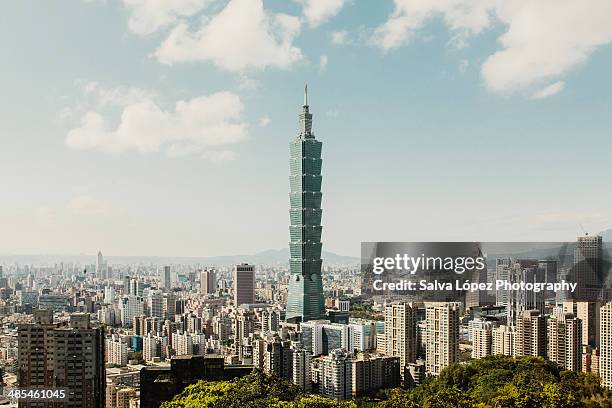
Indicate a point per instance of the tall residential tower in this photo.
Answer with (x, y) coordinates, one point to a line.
(305, 297)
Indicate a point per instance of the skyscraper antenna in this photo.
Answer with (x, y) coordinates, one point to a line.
(306, 95)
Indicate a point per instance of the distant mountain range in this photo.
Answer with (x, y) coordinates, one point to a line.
(268, 257)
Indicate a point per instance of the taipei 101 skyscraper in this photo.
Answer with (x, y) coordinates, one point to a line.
(305, 293)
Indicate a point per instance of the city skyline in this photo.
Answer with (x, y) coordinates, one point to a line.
(116, 144)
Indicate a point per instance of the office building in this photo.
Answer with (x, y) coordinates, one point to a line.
(588, 256)
(305, 290)
(244, 284)
(166, 279)
(155, 304)
(322, 336)
(130, 307)
(207, 282)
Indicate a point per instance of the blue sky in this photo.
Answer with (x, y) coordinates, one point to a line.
(158, 127)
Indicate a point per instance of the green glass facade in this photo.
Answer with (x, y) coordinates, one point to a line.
(305, 296)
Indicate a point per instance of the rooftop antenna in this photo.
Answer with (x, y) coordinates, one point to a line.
(583, 230)
(306, 95)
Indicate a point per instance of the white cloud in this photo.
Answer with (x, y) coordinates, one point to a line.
(463, 17)
(193, 126)
(88, 205)
(543, 40)
(318, 12)
(118, 96)
(242, 35)
(148, 16)
(323, 60)
(550, 90)
(264, 121)
(339, 37)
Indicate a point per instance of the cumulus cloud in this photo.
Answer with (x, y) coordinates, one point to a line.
(148, 16)
(193, 126)
(88, 205)
(318, 12)
(242, 35)
(543, 40)
(117, 96)
(550, 90)
(463, 17)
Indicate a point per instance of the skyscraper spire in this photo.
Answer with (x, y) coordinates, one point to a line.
(305, 118)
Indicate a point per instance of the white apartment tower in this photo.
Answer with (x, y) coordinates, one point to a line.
(442, 343)
(400, 332)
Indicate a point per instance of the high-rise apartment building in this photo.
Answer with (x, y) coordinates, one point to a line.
(69, 357)
(336, 379)
(244, 284)
(400, 332)
(502, 340)
(274, 355)
(605, 342)
(244, 325)
(481, 332)
(116, 350)
(588, 313)
(530, 335)
(305, 290)
(372, 372)
(301, 372)
(564, 341)
(154, 346)
(442, 341)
